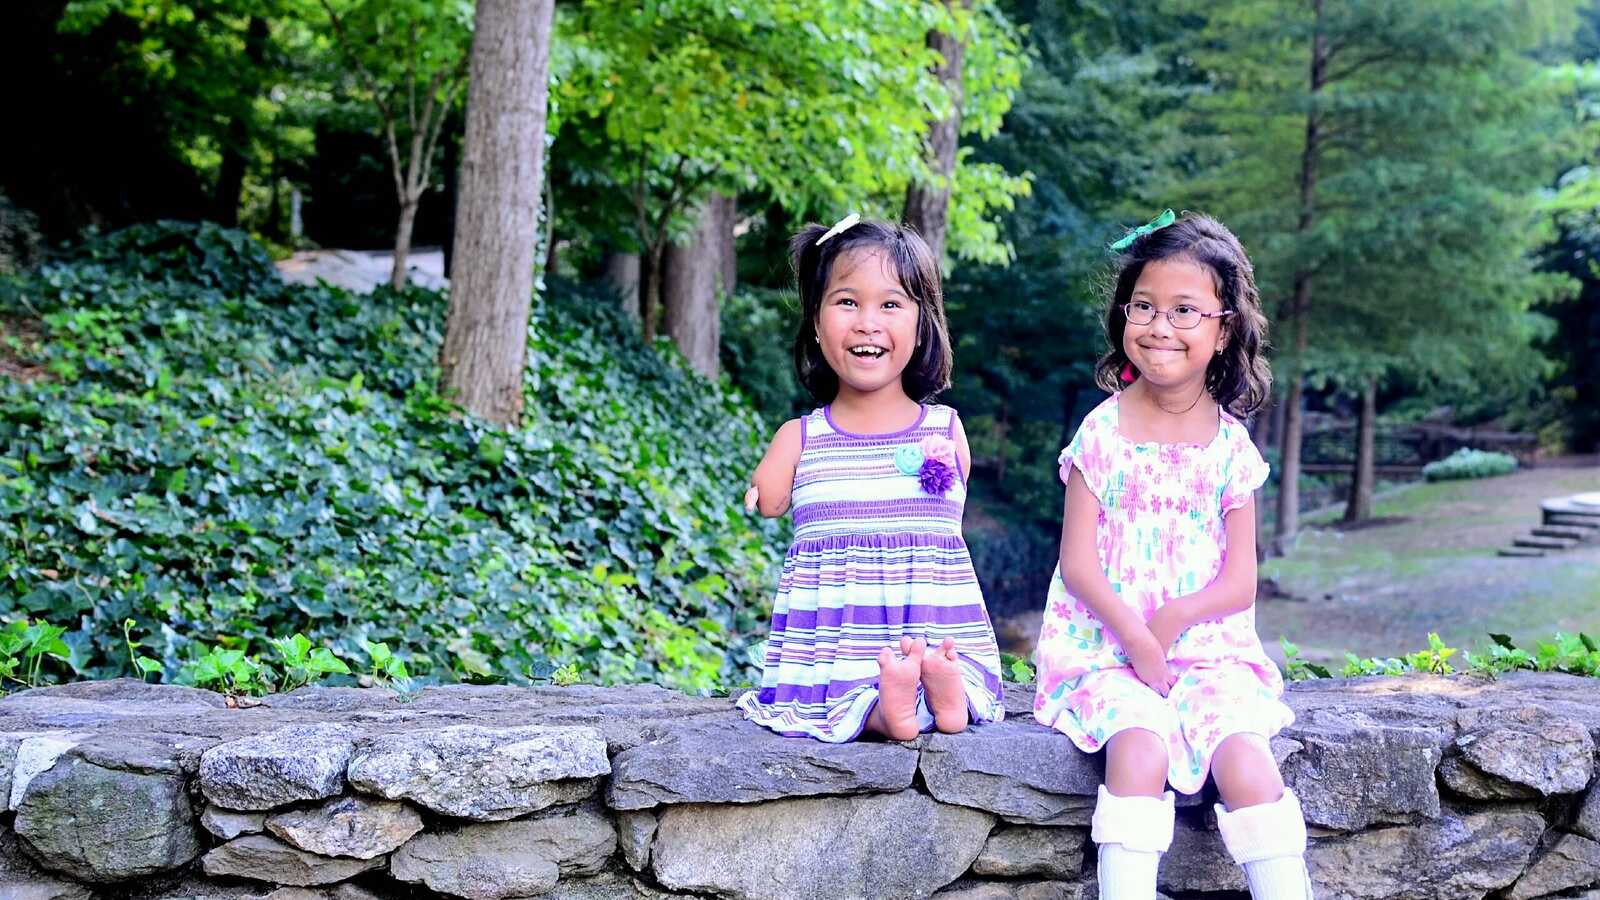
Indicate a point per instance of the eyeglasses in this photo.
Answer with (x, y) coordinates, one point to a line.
(1181, 316)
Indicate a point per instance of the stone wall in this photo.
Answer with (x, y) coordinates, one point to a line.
(1428, 788)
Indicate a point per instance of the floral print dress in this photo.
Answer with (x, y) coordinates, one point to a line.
(1160, 536)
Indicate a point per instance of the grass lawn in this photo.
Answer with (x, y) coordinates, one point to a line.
(1428, 564)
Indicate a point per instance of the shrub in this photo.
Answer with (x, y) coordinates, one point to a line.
(240, 460)
(1469, 463)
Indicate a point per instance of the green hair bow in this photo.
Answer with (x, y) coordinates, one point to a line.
(1156, 224)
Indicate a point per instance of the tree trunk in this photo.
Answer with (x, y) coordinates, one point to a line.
(1289, 478)
(1261, 436)
(486, 333)
(622, 273)
(691, 278)
(928, 204)
(728, 213)
(650, 273)
(1359, 507)
(402, 241)
(452, 179)
(1289, 455)
(236, 146)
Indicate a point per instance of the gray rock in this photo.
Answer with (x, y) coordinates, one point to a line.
(818, 847)
(9, 744)
(1464, 779)
(229, 824)
(1587, 822)
(607, 886)
(734, 761)
(1351, 771)
(635, 831)
(1019, 770)
(1569, 862)
(1526, 748)
(337, 892)
(1022, 890)
(301, 762)
(36, 753)
(1198, 861)
(1012, 852)
(353, 826)
(1452, 857)
(99, 824)
(500, 860)
(487, 774)
(261, 857)
(20, 879)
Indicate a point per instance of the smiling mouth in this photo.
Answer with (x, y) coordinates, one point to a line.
(867, 351)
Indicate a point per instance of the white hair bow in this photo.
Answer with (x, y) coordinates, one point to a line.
(844, 224)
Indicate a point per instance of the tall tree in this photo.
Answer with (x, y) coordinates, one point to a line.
(820, 105)
(408, 58)
(486, 335)
(694, 275)
(1364, 146)
(928, 198)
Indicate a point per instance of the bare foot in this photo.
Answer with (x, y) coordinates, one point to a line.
(895, 716)
(947, 696)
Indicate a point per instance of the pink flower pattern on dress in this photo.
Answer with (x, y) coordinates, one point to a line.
(1160, 535)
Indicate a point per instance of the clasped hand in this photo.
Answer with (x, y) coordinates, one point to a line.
(1148, 652)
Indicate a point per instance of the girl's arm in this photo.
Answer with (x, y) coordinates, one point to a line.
(1233, 590)
(773, 481)
(1086, 581)
(963, 452)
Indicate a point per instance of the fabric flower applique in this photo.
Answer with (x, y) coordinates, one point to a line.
(933, 464)
(938, 470)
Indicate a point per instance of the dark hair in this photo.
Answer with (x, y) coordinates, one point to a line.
(928, 372)
(1238, 378)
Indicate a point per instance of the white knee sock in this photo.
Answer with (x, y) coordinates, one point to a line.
(1269, 842)
(1132, 833)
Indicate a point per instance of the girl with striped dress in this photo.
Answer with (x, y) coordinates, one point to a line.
(879, 624)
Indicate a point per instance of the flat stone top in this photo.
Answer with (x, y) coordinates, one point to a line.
(657, 734)
(1575, 505)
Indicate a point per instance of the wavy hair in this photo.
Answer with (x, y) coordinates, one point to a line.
(1238, 378)
(928, 372)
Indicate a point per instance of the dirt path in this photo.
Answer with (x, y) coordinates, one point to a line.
(1429, 564)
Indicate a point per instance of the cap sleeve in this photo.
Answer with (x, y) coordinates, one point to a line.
(1089, 452)
(1247, 471)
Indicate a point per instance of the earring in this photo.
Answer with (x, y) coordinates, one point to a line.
(1219, 350)
(817, 338)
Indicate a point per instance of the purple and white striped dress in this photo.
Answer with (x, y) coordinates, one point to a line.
(874, 558)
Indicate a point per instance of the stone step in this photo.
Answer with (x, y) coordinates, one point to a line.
(1584, 522)
(1544, 543)
(1569, 506)
(1519, 551)
(1564, 531)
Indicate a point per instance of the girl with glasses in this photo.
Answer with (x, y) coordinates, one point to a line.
(1148, 649)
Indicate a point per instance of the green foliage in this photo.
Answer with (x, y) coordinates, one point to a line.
(1574, 654)
(302, 665)
(25, 645)
(758, 327)
(262, 461)
(143, 665)
(1017, 669)
(227, 671)
(1469, 463)
(822, 105)
(385, 667)
(1356, 666)
(1297, 669)
(1431, 142)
